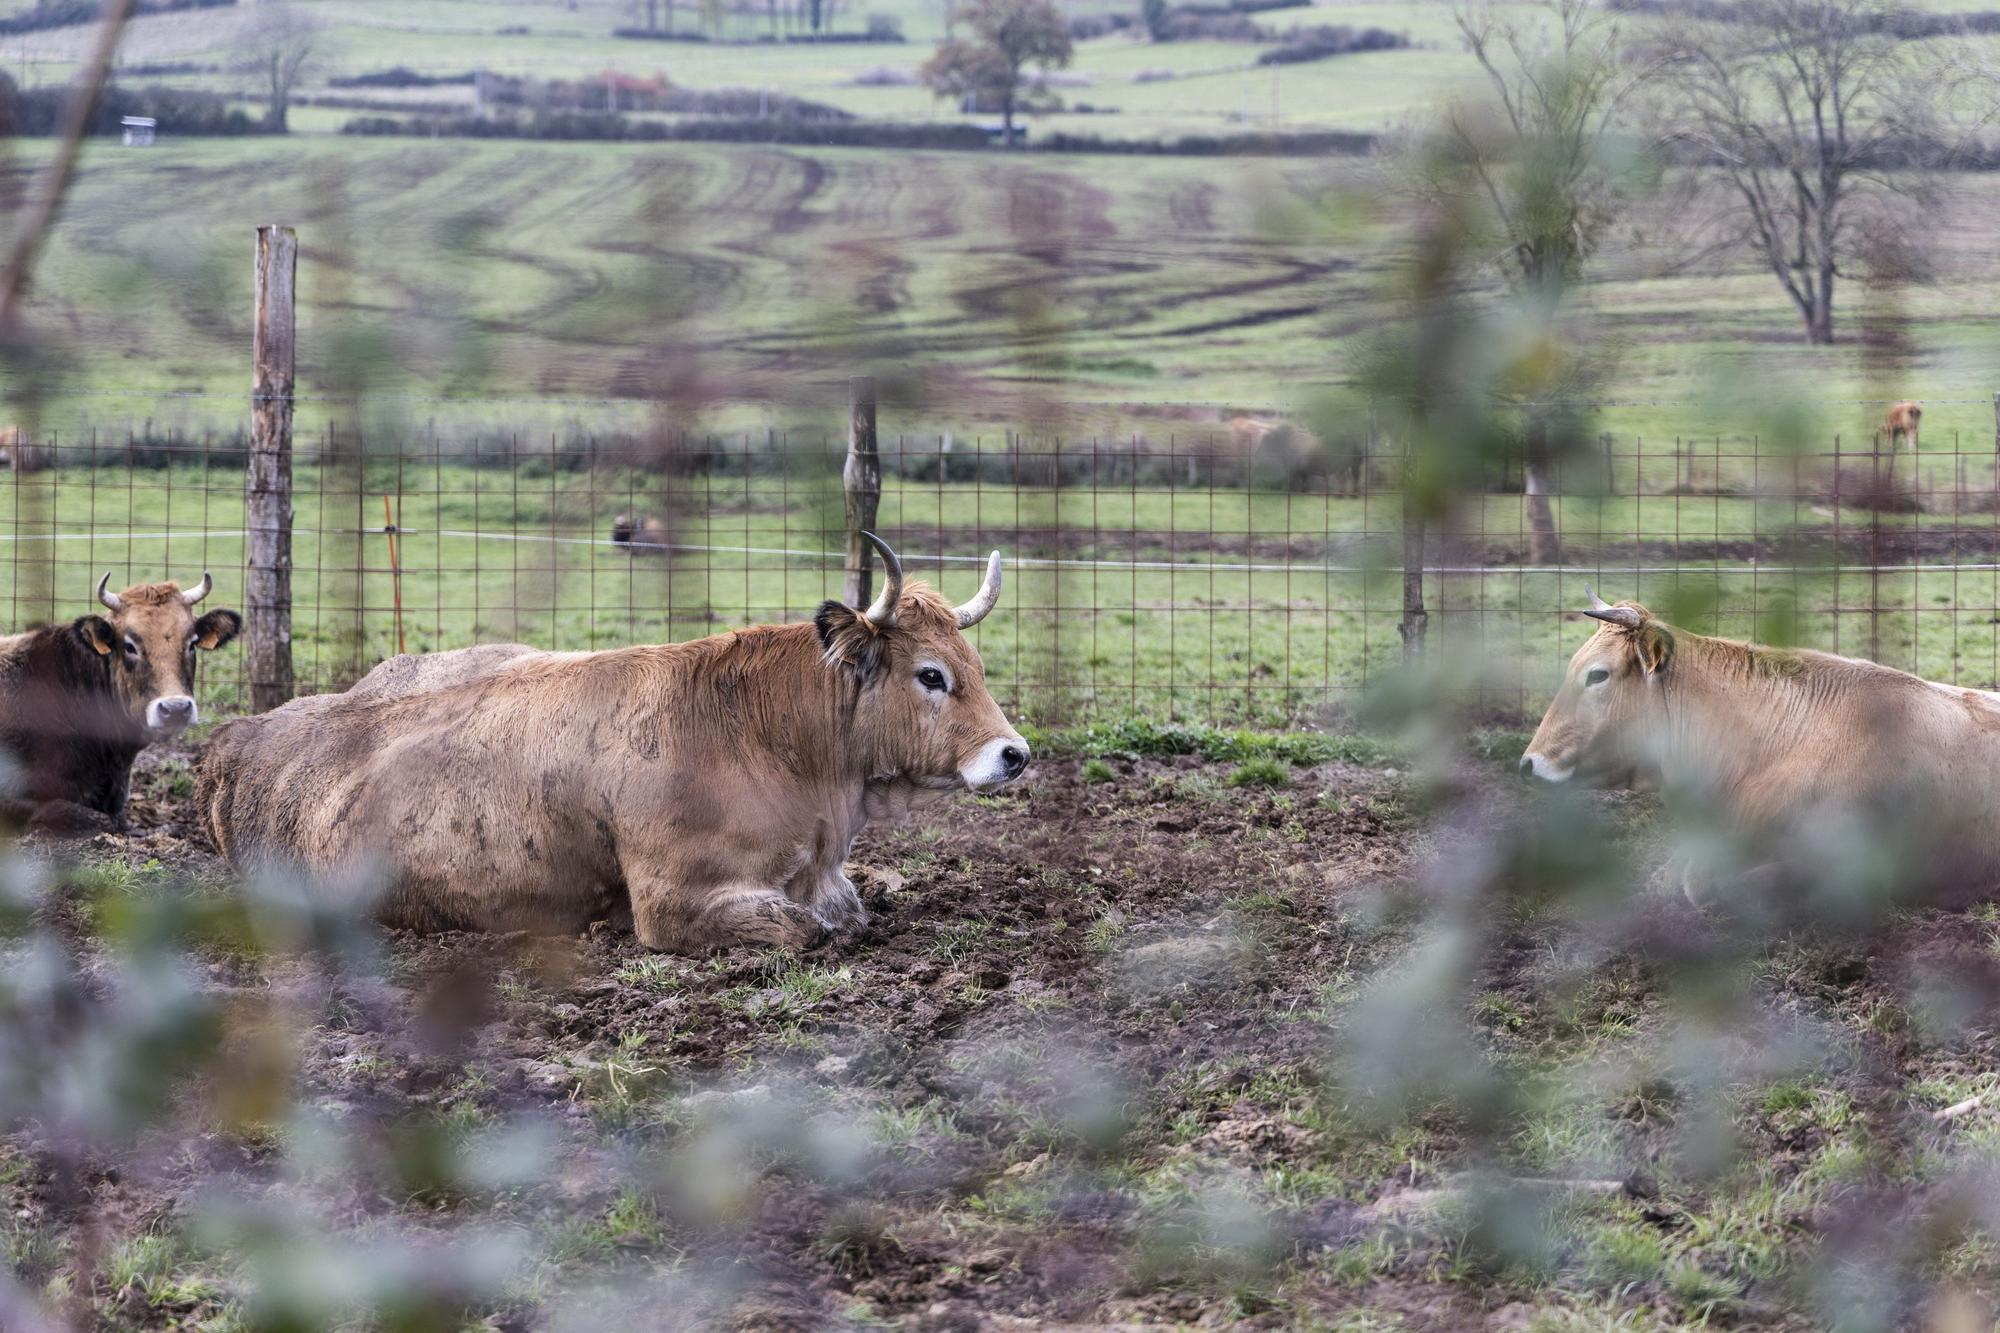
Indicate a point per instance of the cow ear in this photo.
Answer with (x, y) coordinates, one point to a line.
(1655, 643)
(216, 628)
(847, 637)
(95, 633)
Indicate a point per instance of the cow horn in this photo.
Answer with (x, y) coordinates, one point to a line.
(1623, 616)
(106, 596)
(883, 613)
(985, 599)
(207, 586)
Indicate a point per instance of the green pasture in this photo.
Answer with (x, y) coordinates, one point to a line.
(1191, 604)
(554, 289)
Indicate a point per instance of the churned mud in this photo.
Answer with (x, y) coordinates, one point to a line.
(1072, 1073)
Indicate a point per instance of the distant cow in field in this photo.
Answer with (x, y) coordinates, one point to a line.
(1286, 456)
(711, 788)
(1904, 420)
(78, 701)
(13, 441)
(1786, 744)
(639, 536)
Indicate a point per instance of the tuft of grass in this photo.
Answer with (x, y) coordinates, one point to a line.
(31, 1253)
(649, 973)
(856, 1240)
(1099, 770)
(1106, 931)
(1134, 738)
(956, 940)
(1261, 771)
(630, 1224)
(1698, 1292)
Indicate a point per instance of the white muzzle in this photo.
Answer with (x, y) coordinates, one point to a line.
(998, 763)
(171, 714)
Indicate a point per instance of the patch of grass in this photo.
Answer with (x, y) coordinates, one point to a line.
(1699, 1292)
(1263, 900)
(1625, 1252)
(31, 1252)
(1105, 932)
(155, 1267)
(956, 940)
(1198, 789)
(900, 1127)
(630, 1224)
(1261, 771)
(1134, 738)
(1499, 1013)
(805, 987)
(618, 1088)
(649, 973)
(1098, 770)
(856, 1240)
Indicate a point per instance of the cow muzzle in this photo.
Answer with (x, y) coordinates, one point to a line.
(1539, 769)
(171, 714)
(998, 763)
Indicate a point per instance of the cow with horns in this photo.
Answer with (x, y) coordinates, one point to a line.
(1799, 752)
(710, 788)
(78, 701)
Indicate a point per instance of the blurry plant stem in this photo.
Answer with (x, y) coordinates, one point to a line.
(1544, 546)
(36, 585)
(55, 181)
(1415, 618)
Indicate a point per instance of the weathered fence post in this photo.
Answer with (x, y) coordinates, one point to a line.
(268, 488)
(1415, 619)
(861, 481)
(1996, 423)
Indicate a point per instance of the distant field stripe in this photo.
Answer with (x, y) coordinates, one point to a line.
(1043, 562)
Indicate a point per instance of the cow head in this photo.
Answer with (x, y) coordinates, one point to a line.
(1592, 731)
(148, 644)
(922, 711)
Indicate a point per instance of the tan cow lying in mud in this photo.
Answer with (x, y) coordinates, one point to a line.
(714, 786)
(1784, 744)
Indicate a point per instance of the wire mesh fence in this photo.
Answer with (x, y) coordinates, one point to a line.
(1202, 577)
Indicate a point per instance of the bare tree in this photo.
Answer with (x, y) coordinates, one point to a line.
(282, 43)
(1816, 132)
(1537, 166)
(1007, 37)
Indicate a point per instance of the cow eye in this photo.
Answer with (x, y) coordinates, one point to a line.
(131, 649)
(931, 678)
(1597, 676)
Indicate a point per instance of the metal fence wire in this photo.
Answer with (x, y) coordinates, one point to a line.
(1189, 578)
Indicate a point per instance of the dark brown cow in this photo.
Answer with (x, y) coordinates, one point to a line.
(79, 701)
(640, 536)
(711, 787)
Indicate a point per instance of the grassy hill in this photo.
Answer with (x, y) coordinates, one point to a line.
(1213, 90)
(1036, 293)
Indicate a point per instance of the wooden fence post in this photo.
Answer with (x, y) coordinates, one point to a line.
(1415, 619)
(1996, 423)
(268, 488)
(861, 481)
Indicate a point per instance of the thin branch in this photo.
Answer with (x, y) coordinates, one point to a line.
(88, 87)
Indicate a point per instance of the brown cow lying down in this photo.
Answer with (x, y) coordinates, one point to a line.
(715, 786)
(78, 701)
(1811, 752)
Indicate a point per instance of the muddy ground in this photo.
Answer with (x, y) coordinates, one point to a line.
(1075, 1072)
